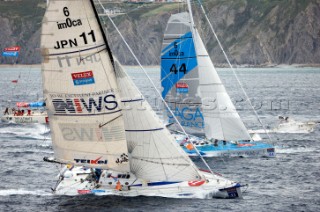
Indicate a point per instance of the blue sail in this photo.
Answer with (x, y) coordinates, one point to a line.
(179, 75)
(177, 60)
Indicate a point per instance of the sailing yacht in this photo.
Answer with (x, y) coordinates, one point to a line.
(27, 113)
(198, 98)
(110, 138)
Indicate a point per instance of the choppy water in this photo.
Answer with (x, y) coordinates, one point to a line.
(289, 182)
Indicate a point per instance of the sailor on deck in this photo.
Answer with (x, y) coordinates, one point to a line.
(6, 111)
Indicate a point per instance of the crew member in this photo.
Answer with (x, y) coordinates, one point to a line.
(6, 111)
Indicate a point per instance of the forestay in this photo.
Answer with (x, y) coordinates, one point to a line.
(180, 75)
(80, 88)
(154, 153)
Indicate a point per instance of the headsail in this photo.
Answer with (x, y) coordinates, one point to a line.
(222, 120)
(80, 88)
(179, 74)
(154, 153)
(212, 111)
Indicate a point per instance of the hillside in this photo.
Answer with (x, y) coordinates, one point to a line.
(254, 32)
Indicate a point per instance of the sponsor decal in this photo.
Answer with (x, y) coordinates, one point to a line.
(84, 191)
(83, 78)
(12, 49)
(91, 105)
(196, 183)
(22, 104)
(245, 145)
(68, 22)
(98, 191)
(88, 161)
(270, 150)
(232, 192)
(10, 54)
(86, 133)
(24, 120)
(188, 117)
(123, 158)
(182, 87)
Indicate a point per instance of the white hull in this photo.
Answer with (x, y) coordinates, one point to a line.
(80, 181)
(37, 117)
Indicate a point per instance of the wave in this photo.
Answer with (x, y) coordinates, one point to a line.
(29, 151)
(290, 150)
(35, 131)
(9, 192)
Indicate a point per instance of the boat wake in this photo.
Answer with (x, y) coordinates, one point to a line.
(26, 132)
(9, 192)
(290, 150)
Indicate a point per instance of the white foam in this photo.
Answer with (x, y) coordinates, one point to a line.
(9, 192)
(294, 150)
(36, 131)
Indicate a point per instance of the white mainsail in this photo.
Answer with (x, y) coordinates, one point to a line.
(80, 88)
(220, 120)
(154, 153)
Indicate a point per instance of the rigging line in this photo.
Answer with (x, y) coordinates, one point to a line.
(234, 72)
(167, 106)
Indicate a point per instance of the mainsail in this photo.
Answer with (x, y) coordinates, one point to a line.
(80, 88)
(180, 75)
(154, 153)
(215, 110)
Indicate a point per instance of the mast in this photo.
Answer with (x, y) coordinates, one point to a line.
(103, 34)
(191, 16)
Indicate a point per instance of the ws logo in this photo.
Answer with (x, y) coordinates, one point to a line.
(85, 105)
